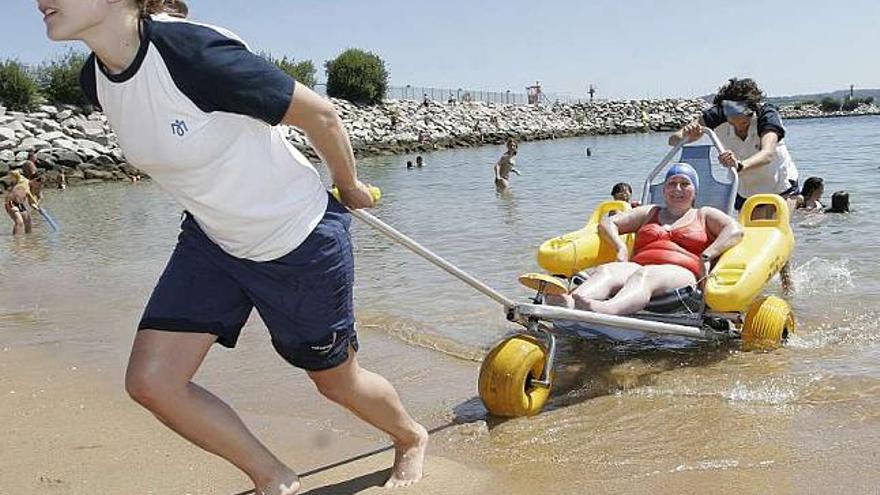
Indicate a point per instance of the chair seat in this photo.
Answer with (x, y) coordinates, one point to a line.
(682, 300)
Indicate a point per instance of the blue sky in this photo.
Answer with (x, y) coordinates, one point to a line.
(625, 48)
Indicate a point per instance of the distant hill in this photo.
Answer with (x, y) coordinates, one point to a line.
(840, 95)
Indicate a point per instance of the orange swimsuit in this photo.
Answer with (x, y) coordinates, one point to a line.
(658, 245)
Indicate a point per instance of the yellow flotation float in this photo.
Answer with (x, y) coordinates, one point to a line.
(743, 270)
(570, 253)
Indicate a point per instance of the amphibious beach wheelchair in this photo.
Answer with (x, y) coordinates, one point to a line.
(516, 376)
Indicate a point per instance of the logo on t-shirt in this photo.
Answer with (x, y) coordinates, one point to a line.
(178, 127)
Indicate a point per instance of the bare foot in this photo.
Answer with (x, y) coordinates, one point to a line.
(564, 300)
(409, 459)
(579, 302)
(288, 484)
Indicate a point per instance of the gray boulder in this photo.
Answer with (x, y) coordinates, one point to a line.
(51, 136)
(103, 161)
(92, 173)
(15, 126)
(31, 143)
(49, 110)
(66, 158)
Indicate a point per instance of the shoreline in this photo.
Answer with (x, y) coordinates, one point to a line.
(622, 419)
(85, 148)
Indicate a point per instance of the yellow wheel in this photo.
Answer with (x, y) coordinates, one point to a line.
(768, 324)
(506, 376)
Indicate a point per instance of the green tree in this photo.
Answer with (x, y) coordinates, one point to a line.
(357, 76)
(850, 104)
(18, 86)
(303, 71)
(59, 79)
(829, 104)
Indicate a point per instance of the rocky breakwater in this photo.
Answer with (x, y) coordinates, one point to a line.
(812, 111)
(404, 126)
(82, 147)
(85, 149)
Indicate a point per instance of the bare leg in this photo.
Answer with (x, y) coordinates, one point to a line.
(604, 281)
(28, 226)
(18, 226)
(644, 283)
(373, 399)
(785, 279)
(159, 372)
(766, 212)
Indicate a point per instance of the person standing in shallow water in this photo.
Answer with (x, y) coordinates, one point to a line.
(17, 201)
(505, 165)
(256, 219)
(752, 133)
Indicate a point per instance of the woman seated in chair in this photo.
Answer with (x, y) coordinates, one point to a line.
(673, 246)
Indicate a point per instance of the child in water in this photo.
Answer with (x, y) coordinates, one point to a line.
(17, 201)
(810, 198)
(839, 203)
(622, 191)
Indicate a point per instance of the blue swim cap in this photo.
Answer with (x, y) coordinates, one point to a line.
(686, 170)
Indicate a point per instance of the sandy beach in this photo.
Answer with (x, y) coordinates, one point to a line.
(69, 428)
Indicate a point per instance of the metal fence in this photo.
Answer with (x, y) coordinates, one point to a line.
(419, 93)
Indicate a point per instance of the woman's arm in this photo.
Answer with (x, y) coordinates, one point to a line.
(767, 153)
(318, 119)
(33, 201)
(610, 228)
(727, 232)
(690, 132)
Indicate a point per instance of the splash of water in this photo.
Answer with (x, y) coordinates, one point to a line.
(821, 276)
(860, 331)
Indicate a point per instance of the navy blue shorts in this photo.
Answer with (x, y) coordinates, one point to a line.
(793, 190)
(303, 297)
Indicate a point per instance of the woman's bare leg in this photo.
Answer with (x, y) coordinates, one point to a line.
(641, 285)
(603, 281)
(18, 226)
(159, 372)
(373, 399)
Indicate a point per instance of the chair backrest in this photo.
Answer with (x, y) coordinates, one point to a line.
(713, 191)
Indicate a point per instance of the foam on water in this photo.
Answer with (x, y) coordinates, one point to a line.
(770, 391)
(822, 276)
(719, 464)
(859, 331)
(775, 391)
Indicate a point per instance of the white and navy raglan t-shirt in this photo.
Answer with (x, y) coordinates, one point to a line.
(772, 178)
(197, 111)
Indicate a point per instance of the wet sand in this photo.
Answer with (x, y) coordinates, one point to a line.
(69, 428)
